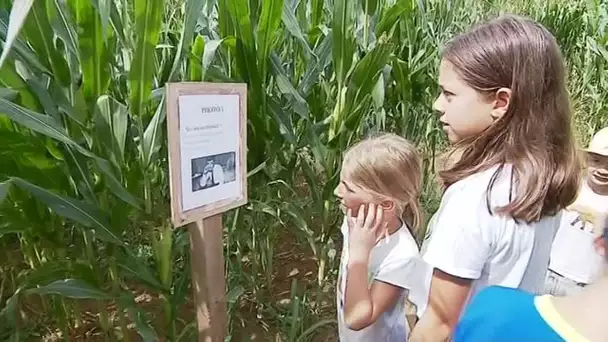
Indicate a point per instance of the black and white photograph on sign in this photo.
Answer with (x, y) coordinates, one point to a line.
(209, 148)
(212, 171)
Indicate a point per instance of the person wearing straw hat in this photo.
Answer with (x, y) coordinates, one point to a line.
(574, 262)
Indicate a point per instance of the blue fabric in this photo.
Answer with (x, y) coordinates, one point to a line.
(503, 314)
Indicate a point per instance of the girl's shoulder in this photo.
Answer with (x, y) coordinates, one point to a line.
(399, 245)
(482, 178)
(474, 188)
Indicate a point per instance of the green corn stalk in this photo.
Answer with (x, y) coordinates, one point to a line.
(85, 156)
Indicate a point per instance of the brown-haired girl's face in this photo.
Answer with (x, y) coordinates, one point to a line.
(464, 112)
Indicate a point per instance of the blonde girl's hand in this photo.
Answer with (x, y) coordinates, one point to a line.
(364, 229)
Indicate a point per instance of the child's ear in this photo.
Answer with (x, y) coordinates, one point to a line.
(388, 205)
(501, 103)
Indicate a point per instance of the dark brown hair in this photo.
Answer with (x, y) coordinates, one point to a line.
(535, 134)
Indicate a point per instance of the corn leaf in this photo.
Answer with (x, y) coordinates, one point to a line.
(111, 121)
(367, 71)
(9, 312)
(20, 50)
(226, 24)
(267, 27)
(94, 54)
(316, 14)
(370, 6)
(9, 78)
(246, 57)
(71, 288)
(343, 39)
(48, 103)
(153, 134)
(291, 24)
(103, 10)
(140, 320)
(298, 103)
(194, 61)
(4, 188)
(135, 268)
(19, 13)
(315, 67)
(40, 35)
(194, 9)
(117, 23)
(114, 184)
(392, 15)
(40, 123)
(72, 209)
(148, 19)
(61, 22)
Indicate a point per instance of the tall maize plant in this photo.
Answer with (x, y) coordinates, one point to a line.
(83, 172)
(87, 250)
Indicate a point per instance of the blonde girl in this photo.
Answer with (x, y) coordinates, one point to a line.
(504, 106)
(380, 184)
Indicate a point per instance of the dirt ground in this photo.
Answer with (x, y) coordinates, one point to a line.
(292, 261)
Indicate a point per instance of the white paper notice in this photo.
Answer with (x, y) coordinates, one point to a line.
(209, 148)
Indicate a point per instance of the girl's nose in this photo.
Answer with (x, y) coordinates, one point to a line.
(438, 106)
(338, 192)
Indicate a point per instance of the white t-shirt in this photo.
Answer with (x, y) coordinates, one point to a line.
(396, 262)
(466, 241)
(573, 254)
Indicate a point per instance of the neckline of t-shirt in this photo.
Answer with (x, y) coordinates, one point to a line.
(399, 230)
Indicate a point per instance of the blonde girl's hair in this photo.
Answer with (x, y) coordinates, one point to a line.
(389, 167)
(535, 134)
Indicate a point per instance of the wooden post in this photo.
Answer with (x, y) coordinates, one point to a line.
(208, 279)
(207, 125)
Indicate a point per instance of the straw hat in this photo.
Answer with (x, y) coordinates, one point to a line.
(599, 143)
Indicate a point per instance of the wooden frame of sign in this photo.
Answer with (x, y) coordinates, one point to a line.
(207, 136)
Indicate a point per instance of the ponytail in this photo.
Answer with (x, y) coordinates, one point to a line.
(412, 215)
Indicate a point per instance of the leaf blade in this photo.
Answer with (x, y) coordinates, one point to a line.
(73, 209)
(148, 15)
(71, 288)
(19, 13)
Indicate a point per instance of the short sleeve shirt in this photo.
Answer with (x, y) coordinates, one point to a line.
(468, 241)
(395, 261)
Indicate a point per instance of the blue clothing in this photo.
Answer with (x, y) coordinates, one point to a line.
(505, 314)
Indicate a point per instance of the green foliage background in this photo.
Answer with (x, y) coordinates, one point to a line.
(86, 247)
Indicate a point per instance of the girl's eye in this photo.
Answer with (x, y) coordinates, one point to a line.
(346, 187)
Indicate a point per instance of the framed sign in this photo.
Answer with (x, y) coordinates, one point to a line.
(207, 136)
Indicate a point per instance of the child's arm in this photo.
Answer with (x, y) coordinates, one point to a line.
(362, 304)
(447, 297)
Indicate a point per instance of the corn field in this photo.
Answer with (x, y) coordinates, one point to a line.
(87, 249)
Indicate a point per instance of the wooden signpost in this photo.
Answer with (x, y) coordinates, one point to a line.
(207, 135)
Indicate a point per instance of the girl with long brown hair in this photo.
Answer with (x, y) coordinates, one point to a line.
(505, 107)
